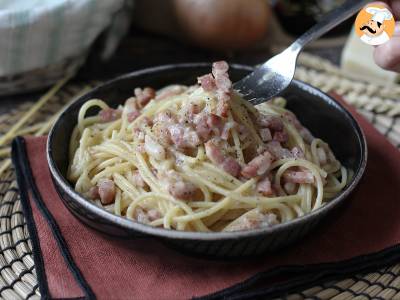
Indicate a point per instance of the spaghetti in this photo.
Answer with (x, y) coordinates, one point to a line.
(201, 158)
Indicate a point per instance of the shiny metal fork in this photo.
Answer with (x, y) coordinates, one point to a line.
(275, 75)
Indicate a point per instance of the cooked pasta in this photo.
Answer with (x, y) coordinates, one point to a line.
(201, 158)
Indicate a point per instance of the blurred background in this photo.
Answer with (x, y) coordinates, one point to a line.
(43, 40)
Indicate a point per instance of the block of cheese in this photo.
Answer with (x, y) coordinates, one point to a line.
(357, 60)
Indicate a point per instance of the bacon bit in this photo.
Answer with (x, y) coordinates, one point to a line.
(182, 190)
(144, 217)
(215, 123)
(252, 220)
(109, 114)
(183, 136)
(214, 153)
(132, 116)
(219, 68)
(137, 179)
(153, 148)
(207, 82)
(141, 216)
(153, 214)
(202, 128)
(223, 83)
(258, 166)
(264, 187)
(298, 176)
(298, 153)
(275, 148)
(94, 193)
(271, 122)
(165, 117)
(144, 96)
(231, 166)
(222, 108)
(265, 134)
(106, 191)
(228, 164)
(281, 136)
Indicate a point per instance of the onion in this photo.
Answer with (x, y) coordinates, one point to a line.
(223, 24)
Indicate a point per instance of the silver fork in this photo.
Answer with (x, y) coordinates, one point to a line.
(275, 75)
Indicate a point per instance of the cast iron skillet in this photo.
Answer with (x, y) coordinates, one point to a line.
(317, 111)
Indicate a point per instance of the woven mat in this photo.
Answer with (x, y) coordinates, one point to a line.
(381, 105)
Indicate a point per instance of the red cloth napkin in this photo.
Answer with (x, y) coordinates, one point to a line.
(75, 261)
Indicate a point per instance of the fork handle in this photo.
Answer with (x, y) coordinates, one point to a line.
(329, 21)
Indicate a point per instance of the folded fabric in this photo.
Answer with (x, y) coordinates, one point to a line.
(75, 261)
(35, 34)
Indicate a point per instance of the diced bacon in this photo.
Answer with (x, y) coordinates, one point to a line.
(146, 217)
(265, 134)
(222, 108)
(290, 188)
(137, 179)
(165, 118)
(183, 136)
(153, 148)
(220, 67)
(231, 166)
(141, 216)
(153, 214)
(215, 123)
(322, 157)
(182, 190)
(275, 148)
(202, 128)
(264, 187)
(191, 110)
(252, 220)
(132, 116)
(106, 191)
(298, 176)
(258, 166)
(94, 193)
(272, 122)
(214, 153)
(170, 91)
(144, 96)
(270, 219)
(109, 114)
(228, 164)
(297, 153)
(223, 83)
(207, 82)
(280, 136)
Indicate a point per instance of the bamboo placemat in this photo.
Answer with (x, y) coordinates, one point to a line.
(381, 105)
